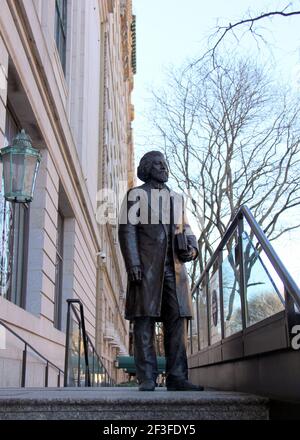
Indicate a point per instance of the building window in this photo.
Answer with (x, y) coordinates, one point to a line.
(14, 228)
(59, 272)
(61, 30)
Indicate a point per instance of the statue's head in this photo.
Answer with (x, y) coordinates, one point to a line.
(153, 166)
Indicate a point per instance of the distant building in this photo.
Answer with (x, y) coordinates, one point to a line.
(117, 172)
(66, 76)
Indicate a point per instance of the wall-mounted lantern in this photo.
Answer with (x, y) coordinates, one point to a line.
(20, 166)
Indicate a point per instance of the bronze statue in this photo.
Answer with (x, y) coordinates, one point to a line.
(156, 240)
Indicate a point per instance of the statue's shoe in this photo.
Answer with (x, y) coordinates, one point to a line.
(147, 385)
(184, 385)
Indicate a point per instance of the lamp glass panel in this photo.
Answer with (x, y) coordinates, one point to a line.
(17, 173)
(6, 173)
(30, 171)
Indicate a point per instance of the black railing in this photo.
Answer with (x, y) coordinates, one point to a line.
(234, 278)
(83, 365)
(24, 362)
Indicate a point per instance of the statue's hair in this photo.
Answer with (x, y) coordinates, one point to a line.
(145, 165)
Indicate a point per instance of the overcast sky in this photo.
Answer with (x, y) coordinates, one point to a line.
(171, 31)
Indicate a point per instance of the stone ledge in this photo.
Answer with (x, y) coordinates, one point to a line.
(128, 404)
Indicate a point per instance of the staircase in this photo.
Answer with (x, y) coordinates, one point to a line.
(117, 403)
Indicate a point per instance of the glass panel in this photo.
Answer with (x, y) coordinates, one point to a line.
(6, 242)
(102, 376)
(96, 372)
(74, 353)
(192, 334)
(56, 24)
(60, 6)
(60, 30)
(203, 321)
(231, 295)
(6, 160)
(81, 363)
(91, 362)
(30, 168)
(215, 314)
(263, 296)
(17, 173)
(99, 375)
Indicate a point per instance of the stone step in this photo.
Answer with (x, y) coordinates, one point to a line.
(128, 404)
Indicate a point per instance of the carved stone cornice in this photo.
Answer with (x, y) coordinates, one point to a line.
(106, 7)
(126, 30)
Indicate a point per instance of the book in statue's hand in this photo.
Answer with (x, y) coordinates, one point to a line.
(182, 245)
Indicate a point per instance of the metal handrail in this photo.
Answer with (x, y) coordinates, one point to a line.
(288, 282)
(80, 320)
(24, 359)
(86, 340)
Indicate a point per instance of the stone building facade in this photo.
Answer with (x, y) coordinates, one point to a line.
(66, 76)
(117, 170)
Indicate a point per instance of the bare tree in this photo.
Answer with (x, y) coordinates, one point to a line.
(231, 136)
(248, 24)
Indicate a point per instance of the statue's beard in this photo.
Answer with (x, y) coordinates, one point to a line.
(160, 176)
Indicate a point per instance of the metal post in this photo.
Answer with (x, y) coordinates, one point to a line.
(24, 362)
(242, 280)
(85, 348)
(198, 321)
(220, 262)
(46, 374)
(189, 322)
(207, 307)
(58, 380)
(67, 346)
(87, 380)
(79, 357)
(93, 381)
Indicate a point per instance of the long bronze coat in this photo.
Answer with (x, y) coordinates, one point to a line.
(145, 244)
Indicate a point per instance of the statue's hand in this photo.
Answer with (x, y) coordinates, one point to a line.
(188, 255)
(135, 274)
